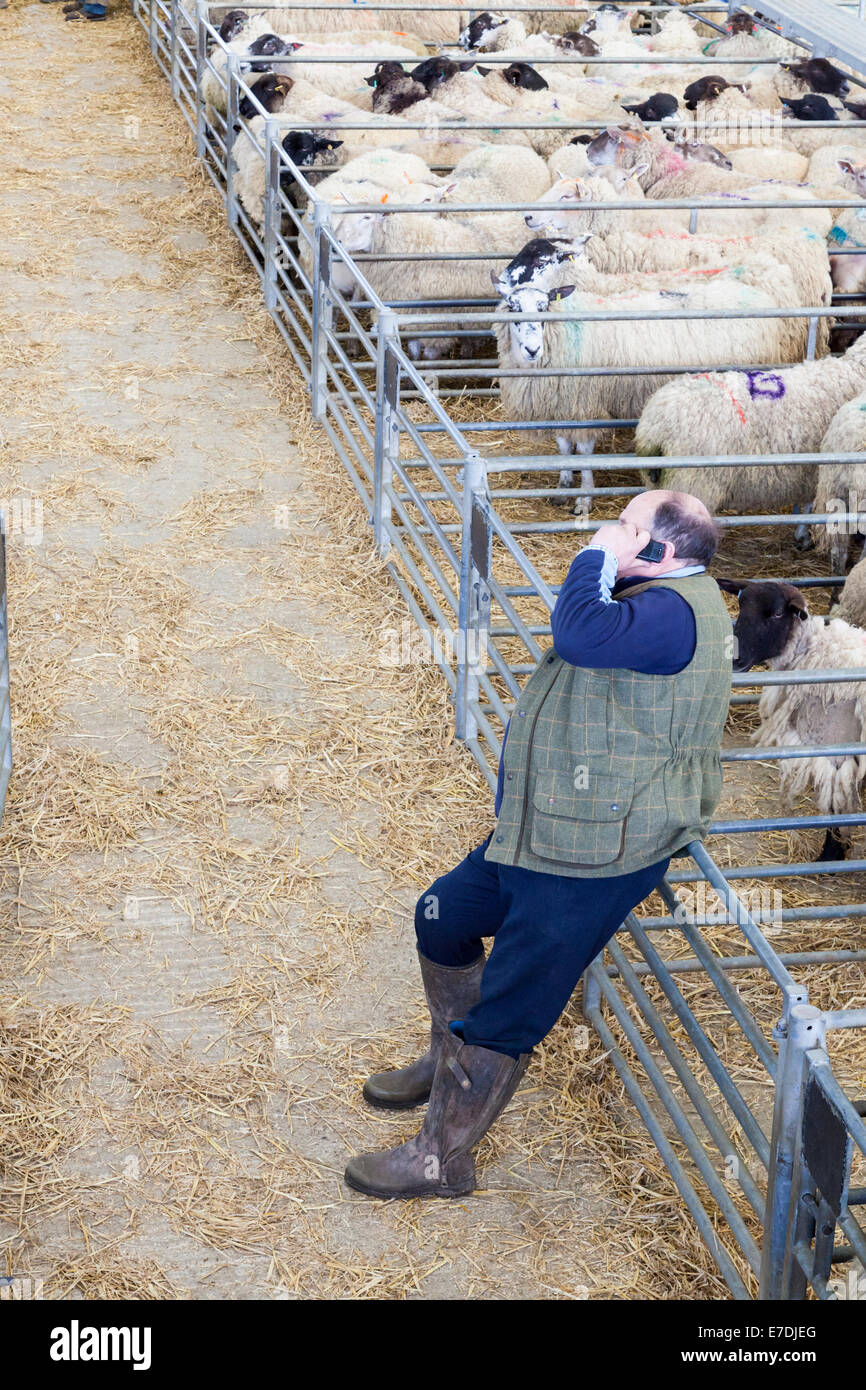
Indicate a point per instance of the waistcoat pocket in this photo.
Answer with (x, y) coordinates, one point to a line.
(580, 825)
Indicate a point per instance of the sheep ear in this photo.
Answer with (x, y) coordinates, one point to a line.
(845, 165)
(561, 292)
(484, 71)
(638, 171)
(732, 586)
(796, 602)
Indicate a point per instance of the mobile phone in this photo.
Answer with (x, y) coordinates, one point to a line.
(653, 552)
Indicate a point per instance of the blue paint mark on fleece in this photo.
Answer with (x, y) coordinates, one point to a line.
(767, 385)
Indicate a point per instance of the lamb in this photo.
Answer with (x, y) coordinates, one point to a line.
(750, 412)
(842, 486)
(527, 345)
(849, 232)
(774, 627)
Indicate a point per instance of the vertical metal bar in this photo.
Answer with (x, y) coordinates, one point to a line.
(273, 214)
(812, 339)
(387, 426)
(801, 1028)
(323, 309)
(474, 600)
(693, 221)
(232, 71)
(200, 64)
(173, 28)
(151, 25)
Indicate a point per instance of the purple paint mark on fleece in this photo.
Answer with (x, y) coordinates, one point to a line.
(768, 385)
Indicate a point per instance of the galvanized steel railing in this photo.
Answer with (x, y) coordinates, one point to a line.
(481, 604)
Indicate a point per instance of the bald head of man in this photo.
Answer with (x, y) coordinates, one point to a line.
(678, 520)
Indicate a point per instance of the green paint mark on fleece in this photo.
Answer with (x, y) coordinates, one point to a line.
(574, 338)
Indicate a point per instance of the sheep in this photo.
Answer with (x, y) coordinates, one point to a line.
(799, 257)
(774, 627)
(394, 91)
(302, 147)
(526, 101)
(507, 37)
(689, 169)
(527, 345)
(661, 106)
(498, 174)
(254, 36)
(744, 39)
(852, 601)
(750, 412)
(464, 91)
(676, 36)
(605, 184)
(841, 486)
(849, 231)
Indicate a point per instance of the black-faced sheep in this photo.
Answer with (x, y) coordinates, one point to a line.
(774, 628)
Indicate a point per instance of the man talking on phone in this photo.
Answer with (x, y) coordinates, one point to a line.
(610, 766)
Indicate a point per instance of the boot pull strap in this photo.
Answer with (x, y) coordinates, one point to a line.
(460, 1074)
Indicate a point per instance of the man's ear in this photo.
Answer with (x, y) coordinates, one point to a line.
(732, 586)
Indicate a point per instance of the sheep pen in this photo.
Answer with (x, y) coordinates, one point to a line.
(409, 431)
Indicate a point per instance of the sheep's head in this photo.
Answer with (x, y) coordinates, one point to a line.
(386, 75)
(620, 145)
(769, 614)
(432, 72)
(705, 89)
(575, 42)
(538, 264)
(526, 337)
(690, 148)
(233, 24)
(607, 20)
(854, 176)
(270, 46)
(481, 33)
(740, 23)
(270, 91)
(564, 190)
(809, 108)
(523, 75)
(819, 75)
(304, 147)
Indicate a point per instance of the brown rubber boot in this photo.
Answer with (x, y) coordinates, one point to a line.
(471, 1087)
(451, 992)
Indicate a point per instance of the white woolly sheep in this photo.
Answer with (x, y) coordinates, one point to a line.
(750, 412)
(849, 231)
(774, 627)
(842, 486)
(527, 345)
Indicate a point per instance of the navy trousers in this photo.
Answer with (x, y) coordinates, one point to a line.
(546, 929)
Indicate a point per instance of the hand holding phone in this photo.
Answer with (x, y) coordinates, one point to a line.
(653, 553)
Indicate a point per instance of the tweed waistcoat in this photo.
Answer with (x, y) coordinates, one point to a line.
(609, 771)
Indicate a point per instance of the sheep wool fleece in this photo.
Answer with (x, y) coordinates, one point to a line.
(609, 771)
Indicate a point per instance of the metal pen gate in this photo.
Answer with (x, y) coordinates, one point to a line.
(775, 1165)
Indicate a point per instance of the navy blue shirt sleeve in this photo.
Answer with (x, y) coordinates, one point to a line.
(653, 633)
